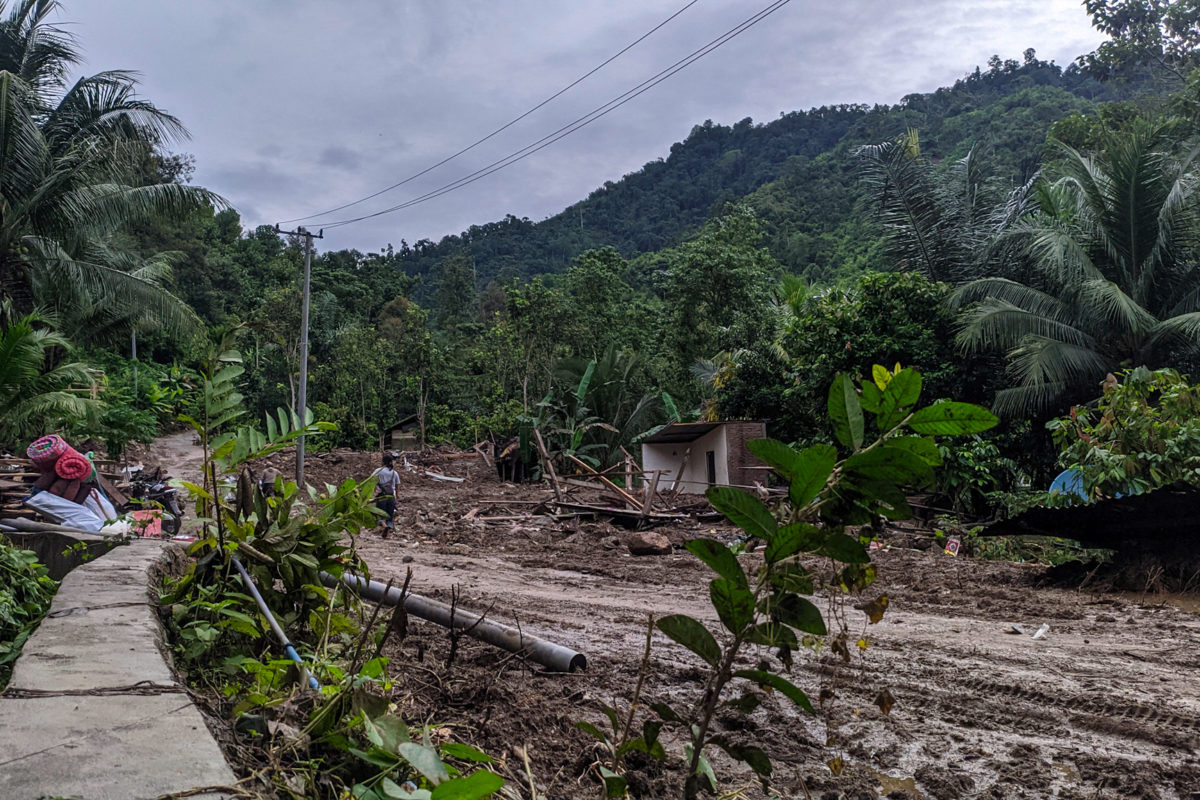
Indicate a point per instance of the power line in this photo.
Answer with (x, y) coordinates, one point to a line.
(579, 123)
(506, 125)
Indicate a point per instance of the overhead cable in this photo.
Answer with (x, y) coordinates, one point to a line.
(506, 125)
(576, 125)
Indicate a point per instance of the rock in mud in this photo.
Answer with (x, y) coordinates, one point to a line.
(649, 544)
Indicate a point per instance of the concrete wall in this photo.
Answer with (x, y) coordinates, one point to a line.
(93, 709)
(61, 552)
(695, 475)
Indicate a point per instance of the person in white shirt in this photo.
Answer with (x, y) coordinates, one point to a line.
(385, 492)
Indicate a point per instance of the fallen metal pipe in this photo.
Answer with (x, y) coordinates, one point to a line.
(32, 526)
(536, 649)
(288, 648)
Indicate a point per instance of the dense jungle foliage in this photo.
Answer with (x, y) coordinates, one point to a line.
(1015, 237)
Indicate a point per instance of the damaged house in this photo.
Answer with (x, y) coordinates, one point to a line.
(693, 456)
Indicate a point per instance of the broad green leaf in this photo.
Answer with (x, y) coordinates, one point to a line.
(373, 734)
(779, 684)
(480, 783)
(772, 634)
(464, 752)
(306, 560)
(692, 635)
(870, 397)
(744, 510)
(887, 463)
(845, 412)
(925, 448)
(881, 375)
(792, 578)
(614, 784)
(816, 465)
(902, 391)
(426, 761)
(783, 458)
(650, 731)
(799, 613)
(753, 757)
(392, 791)
(952, 419)
(882, 497)
(734, 604)
(807, 471)
(791, 539)
(719, 557)
(377, 758)
(846, 549)
(591, 730)
(665, 712)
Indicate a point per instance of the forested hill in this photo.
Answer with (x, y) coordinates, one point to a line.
(799, 173)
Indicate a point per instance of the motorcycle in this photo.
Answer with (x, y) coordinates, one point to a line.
(151, 491)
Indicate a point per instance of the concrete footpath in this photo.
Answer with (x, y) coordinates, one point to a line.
(93, 710)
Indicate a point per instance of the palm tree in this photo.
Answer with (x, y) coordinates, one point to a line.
(34, 396)
(69, 179)
(1111, 278)
(935, 219)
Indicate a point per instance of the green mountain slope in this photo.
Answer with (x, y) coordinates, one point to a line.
(798, 171)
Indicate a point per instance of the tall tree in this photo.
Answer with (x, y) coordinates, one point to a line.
(70, 158)
(1112, 282)
(1161, 35)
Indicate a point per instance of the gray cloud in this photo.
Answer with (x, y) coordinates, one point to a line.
(299, 106)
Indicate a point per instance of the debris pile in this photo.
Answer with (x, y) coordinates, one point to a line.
(58, 484)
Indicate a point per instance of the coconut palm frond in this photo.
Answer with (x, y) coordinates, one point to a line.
(1044, 361)
(996, 325)
(33, 397)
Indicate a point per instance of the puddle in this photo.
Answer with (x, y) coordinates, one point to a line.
(889, 784)
(1184, 602)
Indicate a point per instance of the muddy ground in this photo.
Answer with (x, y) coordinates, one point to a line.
(1105, 705)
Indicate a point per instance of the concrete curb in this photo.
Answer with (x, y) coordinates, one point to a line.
(93, 710)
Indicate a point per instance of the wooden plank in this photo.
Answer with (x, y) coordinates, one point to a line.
(651, 491)
(479, 448)
(633, 503)
(632, 514)
(537, 435)
(116, 495)
(676, 484)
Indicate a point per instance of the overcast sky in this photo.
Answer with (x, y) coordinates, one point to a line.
(296, 107)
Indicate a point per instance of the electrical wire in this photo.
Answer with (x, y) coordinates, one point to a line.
(506, 125)
(576, 125)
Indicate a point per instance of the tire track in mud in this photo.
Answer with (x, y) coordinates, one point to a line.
(952, 681)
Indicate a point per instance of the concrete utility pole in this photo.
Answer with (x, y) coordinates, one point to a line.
(301, 411)
(133, 354)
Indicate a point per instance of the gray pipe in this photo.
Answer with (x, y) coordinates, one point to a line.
(31, 526)
(288, 648)
(536, 649)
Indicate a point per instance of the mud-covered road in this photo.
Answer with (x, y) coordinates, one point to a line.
(1105, 705)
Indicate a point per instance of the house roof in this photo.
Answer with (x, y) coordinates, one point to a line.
(679, 432)
(411, 418)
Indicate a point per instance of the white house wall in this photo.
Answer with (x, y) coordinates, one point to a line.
(667, 457)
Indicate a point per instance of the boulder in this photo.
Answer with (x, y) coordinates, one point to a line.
(648, 543)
